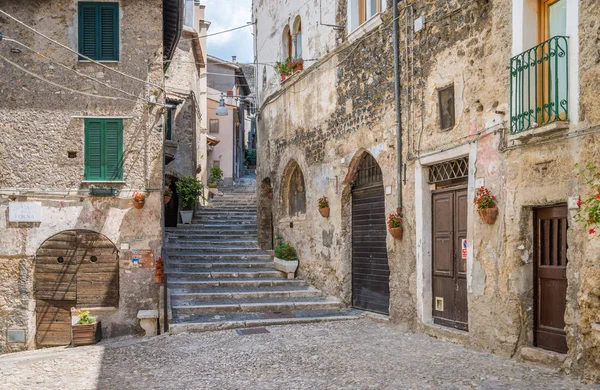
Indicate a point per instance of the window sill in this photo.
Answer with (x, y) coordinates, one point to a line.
(100, 61)
(541, 131)
(103, 182)
(364, 28)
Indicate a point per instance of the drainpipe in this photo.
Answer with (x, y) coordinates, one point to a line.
(398, 110)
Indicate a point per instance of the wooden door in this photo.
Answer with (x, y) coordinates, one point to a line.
(53, 323)
(449, 267)
(550, 283)
(370, 269)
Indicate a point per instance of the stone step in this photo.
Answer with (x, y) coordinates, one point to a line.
(175, 283)
(224, 217)
(233, 224)
(254, 305)
(253, 273)
(177, 249)
(219, 264)
(216, 256)
(223, 230)
(221, 321)
(213, 243)
(244, 293)
(186, 233)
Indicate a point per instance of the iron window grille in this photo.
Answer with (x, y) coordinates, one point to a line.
(449, 170)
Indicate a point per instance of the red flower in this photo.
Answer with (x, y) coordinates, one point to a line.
(597, 197)
(579, 202)
(592, 231)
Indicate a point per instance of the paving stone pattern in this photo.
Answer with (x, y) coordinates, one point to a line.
(218, 277)
(360, 354)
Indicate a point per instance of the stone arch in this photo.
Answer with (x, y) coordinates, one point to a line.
(73, 268)
(293, 190)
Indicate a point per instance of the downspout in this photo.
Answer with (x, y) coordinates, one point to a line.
(398, 110)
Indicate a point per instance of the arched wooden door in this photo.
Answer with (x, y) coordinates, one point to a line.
(370, 269)
(75, 268)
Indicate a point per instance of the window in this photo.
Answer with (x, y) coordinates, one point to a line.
(298, 37)
(169, 125)
(104, 149)
(446, 103)
(287, 43)
(99, 31)
(295, 191)
(359, 11)
(213, 126)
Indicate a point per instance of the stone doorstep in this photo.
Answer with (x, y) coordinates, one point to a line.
(541, 356)
(213, 326)
(256, 307)
(236, 283)
(445, 333)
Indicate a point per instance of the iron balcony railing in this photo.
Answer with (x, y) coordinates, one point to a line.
(539, 85)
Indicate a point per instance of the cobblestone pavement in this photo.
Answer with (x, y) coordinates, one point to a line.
(361, 354)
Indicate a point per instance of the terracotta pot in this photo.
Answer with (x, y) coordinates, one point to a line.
(270, 195)
(324, 212)
(167, 199)
(299, 68)
(158, 278)
(283, 77)
(396, 232)
(488, 216)
(138, 204)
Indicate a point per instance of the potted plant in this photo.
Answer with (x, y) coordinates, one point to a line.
(324, 207)
(86, 331)
(286, 259)
(159, 270)
(297, 65)
(394, 223)
(283, 68)
(189, 188)
(167, 195)
(139, 199)
(589, 208)
(216, 175)
(485, 205)
(251, 158)
(268, 190)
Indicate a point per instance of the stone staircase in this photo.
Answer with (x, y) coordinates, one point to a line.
(218, 278)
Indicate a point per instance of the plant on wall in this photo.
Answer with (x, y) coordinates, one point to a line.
(284, 67)
(189, 188)
(324, 207)
(486, 207)
(394, 223)
(589, 208)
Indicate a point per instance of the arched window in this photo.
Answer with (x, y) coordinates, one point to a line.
(287, 43)
(264, 78)
(297, 37)
(295, 190)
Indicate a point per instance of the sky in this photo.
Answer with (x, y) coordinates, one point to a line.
(224, 15)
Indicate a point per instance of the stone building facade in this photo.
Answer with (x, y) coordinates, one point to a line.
(469, 118)
(79, 140)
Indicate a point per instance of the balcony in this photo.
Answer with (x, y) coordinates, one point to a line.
(539, 85)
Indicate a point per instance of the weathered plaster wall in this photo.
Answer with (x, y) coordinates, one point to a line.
(39, 130)
(223, 151)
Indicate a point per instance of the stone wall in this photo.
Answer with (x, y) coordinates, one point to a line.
(42, 156)
(342, 106)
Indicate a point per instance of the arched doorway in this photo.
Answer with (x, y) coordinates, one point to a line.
(370, 269)
(74, 268)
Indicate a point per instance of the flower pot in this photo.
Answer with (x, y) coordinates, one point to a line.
(251, 166)
(396, 232)
(324, 212)
(158, 278)
(270, 195)
(488, 216)
(138, 204)
(87, 334)
(167, 199)
(283, 77)
(298, 68)
(212, 185)
(186, 216)
(288, 267)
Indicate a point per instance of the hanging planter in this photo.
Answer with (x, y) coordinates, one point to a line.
(168, 194)
(395, 225)
(159, 271)
(487, 210)
(324, 207)
(138, 200)
(297, 65)
(268, 190)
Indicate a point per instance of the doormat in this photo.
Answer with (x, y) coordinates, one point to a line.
(278, 314)
(246, 332)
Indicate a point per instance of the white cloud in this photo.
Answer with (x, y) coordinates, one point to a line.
(225, 15)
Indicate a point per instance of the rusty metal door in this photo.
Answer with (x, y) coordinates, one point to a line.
(449, 266)
(550, 283)
(370, 270)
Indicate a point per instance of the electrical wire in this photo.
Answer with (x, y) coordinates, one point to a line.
(219, 32)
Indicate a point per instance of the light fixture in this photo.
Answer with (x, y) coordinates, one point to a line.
(222, 110)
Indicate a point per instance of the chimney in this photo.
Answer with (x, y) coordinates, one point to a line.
(199, 14)
(234, 59)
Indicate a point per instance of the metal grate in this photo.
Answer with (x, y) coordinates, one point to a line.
(449, 170)
(369, 172)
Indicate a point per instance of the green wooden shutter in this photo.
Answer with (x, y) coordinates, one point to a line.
(109, 31)
(93, 149)
(113, 149)
(88, 30)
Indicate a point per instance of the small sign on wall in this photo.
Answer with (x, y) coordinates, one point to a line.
(25, 212)
(464, 249)
(138, 258)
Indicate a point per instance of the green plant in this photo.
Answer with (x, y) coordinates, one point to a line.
(284, 251)
(589, 209)
(394, 220)
(267, 188)
(216, 175)
(250, 157)
(85, 318)
(188, 190)
(284, 67)
(483, 199)
(323, 202)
